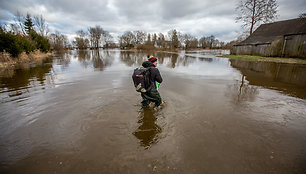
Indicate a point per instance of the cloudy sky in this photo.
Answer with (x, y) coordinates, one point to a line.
(196, 17)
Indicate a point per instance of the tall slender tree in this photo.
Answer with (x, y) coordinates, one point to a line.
(41, 25)
(148, 42)
(173, 36)
(28, 24)
(254, 12)
(161, 40)
(154, 39)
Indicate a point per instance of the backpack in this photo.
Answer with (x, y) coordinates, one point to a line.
(141, 79)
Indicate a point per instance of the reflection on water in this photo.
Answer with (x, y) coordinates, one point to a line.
(148, 130)
(22, 77)
(241, 92)
(132, 58)
(26, 80)
(77, 113)
(100, 60)
(63, 59)
(168, 59)
(288, 78)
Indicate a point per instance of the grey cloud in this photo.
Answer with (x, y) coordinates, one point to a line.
(198, 17)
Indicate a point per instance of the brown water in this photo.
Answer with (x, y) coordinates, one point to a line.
(79, 113)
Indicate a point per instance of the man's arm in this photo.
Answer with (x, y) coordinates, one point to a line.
(158, 77)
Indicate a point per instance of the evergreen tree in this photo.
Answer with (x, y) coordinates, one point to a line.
(175, 43)
(149, 39)
(28, 24)
(154, 39)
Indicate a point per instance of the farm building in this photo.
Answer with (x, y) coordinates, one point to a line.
(278, 39)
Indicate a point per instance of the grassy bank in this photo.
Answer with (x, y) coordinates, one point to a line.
(266, 59)
(9, 62)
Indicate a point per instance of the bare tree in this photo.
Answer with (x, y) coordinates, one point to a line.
(81, 42)
(161, 42)
(127, 40)
(203, 42)
(81, 33)
(303, 15)
(107, 39)
(140, 37)
(18, 26)
(194, 42)
(186, 39)
(58, 41)
(41, 25)
(95, 34)
(2, 27)
(253, 12)
(14, 29)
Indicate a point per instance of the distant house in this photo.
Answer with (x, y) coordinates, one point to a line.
(278, 39)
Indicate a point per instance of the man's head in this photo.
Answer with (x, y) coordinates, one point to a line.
(153, 60)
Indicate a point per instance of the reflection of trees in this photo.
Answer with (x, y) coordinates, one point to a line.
(83, 55)
(241, 92)
(22, 78)
(171, 60)
(177, 60)
(62, 58)
(205, 59)
(186, 61)
(133, 58)
(148, 130)
(100, 62)
(127, 59)
(99, 59)
(174, 60)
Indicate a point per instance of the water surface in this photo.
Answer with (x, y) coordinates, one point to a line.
(78, 112)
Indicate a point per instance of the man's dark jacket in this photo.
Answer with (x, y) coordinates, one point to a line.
(154, 73)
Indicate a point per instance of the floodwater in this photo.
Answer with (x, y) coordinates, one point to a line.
(79, 113)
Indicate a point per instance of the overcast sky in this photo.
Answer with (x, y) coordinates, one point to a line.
(196, 17)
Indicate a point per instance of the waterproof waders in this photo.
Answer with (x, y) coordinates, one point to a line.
(151, 96)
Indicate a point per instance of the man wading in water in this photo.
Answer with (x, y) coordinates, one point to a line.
(152, 94)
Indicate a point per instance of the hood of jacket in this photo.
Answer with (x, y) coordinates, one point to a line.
(147, 64)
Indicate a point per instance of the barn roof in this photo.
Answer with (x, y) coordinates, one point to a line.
(266, 33)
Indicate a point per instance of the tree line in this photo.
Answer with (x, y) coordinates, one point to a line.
(172, 40)
(94, 38)
(97, 37)
(22, 37)
(29, 33)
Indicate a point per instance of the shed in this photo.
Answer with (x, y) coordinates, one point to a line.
(278, 39)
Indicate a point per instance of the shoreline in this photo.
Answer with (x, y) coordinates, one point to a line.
(265, 59)
(8, 62)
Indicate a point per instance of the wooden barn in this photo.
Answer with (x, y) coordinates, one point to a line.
(279, 39)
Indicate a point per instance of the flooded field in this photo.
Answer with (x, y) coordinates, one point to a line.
(79, 113)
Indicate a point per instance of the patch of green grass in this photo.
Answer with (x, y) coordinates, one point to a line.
(266, 59)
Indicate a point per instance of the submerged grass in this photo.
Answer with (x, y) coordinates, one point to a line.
(266, 59)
